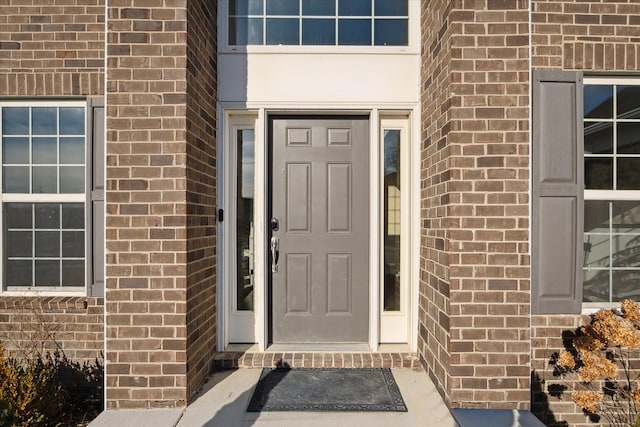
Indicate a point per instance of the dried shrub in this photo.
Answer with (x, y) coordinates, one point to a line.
(600, 362)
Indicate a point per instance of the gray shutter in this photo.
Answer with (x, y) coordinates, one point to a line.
(557, 193)
(97, 226)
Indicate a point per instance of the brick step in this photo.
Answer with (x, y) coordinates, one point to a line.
(315, 360)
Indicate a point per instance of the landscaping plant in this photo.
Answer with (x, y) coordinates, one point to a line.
(600, 361)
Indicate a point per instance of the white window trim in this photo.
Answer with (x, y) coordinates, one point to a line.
(606, 195)
(412, 48)
(49, 198)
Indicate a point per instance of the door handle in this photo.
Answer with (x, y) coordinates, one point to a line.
(275, 253)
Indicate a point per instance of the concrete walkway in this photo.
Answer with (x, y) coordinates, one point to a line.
(225, 397)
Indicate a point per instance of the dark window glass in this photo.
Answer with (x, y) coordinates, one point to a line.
(44, 120)
(596, 286)
(72, 272)
(354, 7)
(598, 173)
(72, 121)
(73, 244)
(18, 272)
(598, 101)
(391, 8)
(283, 7)
(245, 7)
(625, 285)
(47, 273)
(47, 243)
(72, 179)
(72, 216)
(15, 121)
(354, 32)
(596, 216)
(318, 32)
(391, 32)
(628, 102)
(47, 215)
(598, 138)
(596, 250)
(625, 250)
(72, 150)
(391, 219)
(15, 179)
(283, 31)
(628, 173)
(19, 244)
(45, 150)
(244, 219)
(628, 138)
(15, 150)
(318, 7)
(245, 31)
(626, 216)
(45, 179)
(18, 215)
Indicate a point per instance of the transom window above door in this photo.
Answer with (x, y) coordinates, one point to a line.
(319, 22)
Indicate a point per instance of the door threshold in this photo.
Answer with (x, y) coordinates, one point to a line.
(325, 347)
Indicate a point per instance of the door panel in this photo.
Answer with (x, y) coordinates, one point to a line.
(320, 197)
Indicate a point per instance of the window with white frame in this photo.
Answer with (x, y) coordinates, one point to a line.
(45, 204)
(318, 22)
(612, 190)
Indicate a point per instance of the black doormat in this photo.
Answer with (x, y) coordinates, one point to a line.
(323, 389)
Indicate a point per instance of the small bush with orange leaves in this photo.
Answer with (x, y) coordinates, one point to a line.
(601, 361)
(30, 394)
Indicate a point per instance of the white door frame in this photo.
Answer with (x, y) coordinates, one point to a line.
(234, 113)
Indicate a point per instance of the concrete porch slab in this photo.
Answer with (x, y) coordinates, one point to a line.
(225, 397)
(495, 418)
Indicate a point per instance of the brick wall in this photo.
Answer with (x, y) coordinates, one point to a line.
(475, 195)
(434, 344)
(53, 49)
(591, 35)
(146, 205)
(201, 189)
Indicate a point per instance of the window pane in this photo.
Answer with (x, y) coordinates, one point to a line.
(391, 32)
(45, 150)
(245, 7)
(72, 272)
(71, 150)
(598, 138)
(625, 250)
(44, 120)
(628, 102)
(598, 173)
(596, 216)
(244, 222)
(72, 121)
(628, 138)
(17, 215)
(44, 179)
(19, 243)
(598, 101)
(354, 7)
(625, 285)
(17, 273)
(73, 244)
(245, 31)
(318, 32)
(628, 173)
(47, 243)
(391, 8)
(318, 7)
(47, 216)
(391, 220)
(47, 273)
(597, 250)
(15, 150)
(72, 216)
(72, 179)
(596, 286)
(626, 216)
(15, 121)
(282, 31)
(283, 7)
(15, 179)
(354, 32)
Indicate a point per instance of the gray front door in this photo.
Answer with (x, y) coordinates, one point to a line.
(320, 229)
